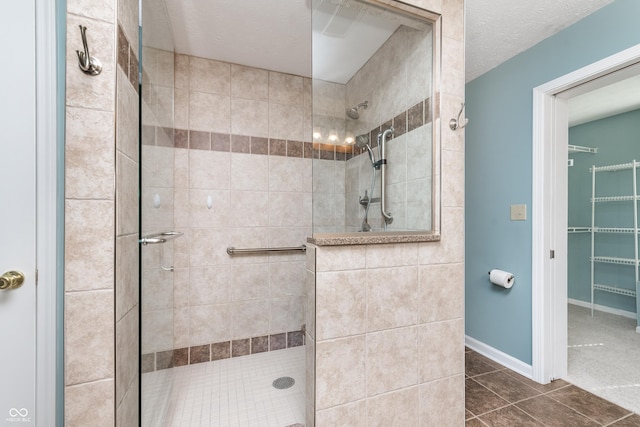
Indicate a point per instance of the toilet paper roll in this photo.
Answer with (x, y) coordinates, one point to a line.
(501, 278)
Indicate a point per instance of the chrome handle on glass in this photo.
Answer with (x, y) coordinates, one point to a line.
(11, 280)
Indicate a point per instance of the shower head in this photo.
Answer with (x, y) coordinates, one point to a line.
(362, 142)
(353, 111)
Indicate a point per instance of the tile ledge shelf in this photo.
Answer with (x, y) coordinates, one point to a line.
(344, 239)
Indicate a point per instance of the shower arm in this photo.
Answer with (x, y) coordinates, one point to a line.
(388, 218)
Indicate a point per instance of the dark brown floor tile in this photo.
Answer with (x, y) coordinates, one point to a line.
(506, 386)
(554, 414)
(468, 414)
(478, 400)
(632, 421)
(589, 404)
(476, 364)
(544, 388)
(474, 422)
(509, 417)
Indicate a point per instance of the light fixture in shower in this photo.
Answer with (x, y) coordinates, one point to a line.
(333, 135)
(352, 112)
(317, 133)
(349, 138)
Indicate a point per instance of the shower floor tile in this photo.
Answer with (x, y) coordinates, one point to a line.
(229, 392)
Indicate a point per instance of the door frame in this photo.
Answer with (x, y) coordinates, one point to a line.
(48, 194)
(549, 214)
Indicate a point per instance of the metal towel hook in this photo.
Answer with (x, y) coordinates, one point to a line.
(454, 124)
(87, 63)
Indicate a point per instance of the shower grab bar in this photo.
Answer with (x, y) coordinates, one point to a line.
(235, 251)
(158, 238)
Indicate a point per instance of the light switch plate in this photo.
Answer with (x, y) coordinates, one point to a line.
(518, 212)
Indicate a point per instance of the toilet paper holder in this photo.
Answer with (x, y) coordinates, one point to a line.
(501, 278)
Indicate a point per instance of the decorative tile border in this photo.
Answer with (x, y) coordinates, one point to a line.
(405, 122)
(221, 350)
(127, 59)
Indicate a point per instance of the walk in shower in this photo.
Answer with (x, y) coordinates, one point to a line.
(240, 165)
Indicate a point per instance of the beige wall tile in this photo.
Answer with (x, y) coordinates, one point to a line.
(453, 19)
(94, 92)
(128, 410)
(341, 304)
(442, 402)
(440, 354)
(181, 325)
(249, 209)
(209, 324)
(453, 59)
(391, 297)
(392, 360)
(103, 10)
(157, 331)
(127, 352)
(249, 117)
(89, 251)
(249, 83)
(158, 166)
(90, 404)
(249, 172)
(441, 293)
(285, 174)
(181, 108)
(430, 5)
(181, 71)
(249, 282)
(126, 195)
(452, 178)
(157, 292)
(285, 210)
(248, 319)
(286, 278)
(310, 304)
(285, 89)
(352, 415)
(286, 122)
(286, 314)
(399, 408)
(126, 122)
(337, 258)
(181, 168)
(127, 267)
(89, 352)
(200, 215)
(202, 175)
(209, 112)
(208, 246)
(395, 255)
(89, 153)
(206, 75)
(210, 285)
(340, 371)
(128, 18)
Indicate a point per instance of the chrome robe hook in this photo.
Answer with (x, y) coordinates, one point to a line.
(454, 124)
(87, 63)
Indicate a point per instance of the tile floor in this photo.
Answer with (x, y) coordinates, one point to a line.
(229, 392)
(496, 396)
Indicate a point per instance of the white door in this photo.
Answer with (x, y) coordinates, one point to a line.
(18, 212)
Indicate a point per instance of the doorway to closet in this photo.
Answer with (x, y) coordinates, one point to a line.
(569, 155)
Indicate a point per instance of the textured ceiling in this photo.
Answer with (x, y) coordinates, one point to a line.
(497, 30)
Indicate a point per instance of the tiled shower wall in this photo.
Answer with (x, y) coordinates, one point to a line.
(387, 346)
(240, 144)
(396, 82)
(101, 299)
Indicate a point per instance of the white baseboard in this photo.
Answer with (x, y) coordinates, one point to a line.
(602, 308)
(498, 356)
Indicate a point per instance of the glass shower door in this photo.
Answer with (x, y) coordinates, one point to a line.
(158, 237)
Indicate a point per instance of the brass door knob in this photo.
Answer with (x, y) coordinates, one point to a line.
(11, 280)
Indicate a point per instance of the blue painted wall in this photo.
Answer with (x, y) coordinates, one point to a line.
(618, 141)
(499, 163)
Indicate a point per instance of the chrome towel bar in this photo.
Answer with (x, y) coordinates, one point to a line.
(158, 238)
(234, 251)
